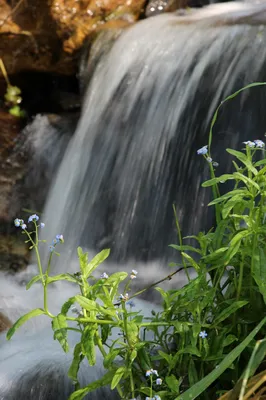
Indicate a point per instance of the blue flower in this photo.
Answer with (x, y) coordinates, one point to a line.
(33, 217)
(249, 143)
(159, 381)
(23, 226)
(42, 225)
(157, 397)
(203, 334)
(17, 222)
(51, 248)
(59, 238)
(259, 143)
(104, 276)
(151, 372)
(203, 150)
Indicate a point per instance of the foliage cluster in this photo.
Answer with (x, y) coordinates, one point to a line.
(209, 339)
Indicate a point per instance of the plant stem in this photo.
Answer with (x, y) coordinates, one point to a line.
(3, 70)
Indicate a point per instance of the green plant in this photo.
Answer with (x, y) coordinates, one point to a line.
(13, 95)
(202, 344)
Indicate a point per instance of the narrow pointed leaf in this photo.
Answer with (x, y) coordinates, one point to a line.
(22, 320)
(193, 392)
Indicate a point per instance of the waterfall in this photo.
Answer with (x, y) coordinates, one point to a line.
(146, 111)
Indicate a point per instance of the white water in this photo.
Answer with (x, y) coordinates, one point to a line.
(146, 111)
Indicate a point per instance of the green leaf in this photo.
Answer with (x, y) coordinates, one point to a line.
(228, 311)
(246, 180)
(87, 343)
(257, 356)
(230, 204)
(196, 328)
(185, 248)
(244, 159)
(194, 391)
(77, 359)
(132, 333)
(229, 340)
(191, 260)
(166, 356)
(89, 305)
(238, 237)
(220, 179)
(259, 270)
(192, 373)
(190, 350)
(97, 260)
(117, 277)
(172, 383)
(107, 311)
(59, 325)
(33, 280)
(66, 306)
(260, 162)
(110, 357)
(181, 327)
(215, 255)
(61, 277)
(119, 373)
(243, 192)
(81, 393)
(22, 320)
(83, 259)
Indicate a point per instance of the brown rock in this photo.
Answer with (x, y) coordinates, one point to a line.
(78, 19)
(10, 171)
(5, 323)
(43, 35)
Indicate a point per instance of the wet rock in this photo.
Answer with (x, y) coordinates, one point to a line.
(155, 7)
(44, 35)
(10, 171)
(14, 254)
(78, 19)
(28, 38)
(5, 323)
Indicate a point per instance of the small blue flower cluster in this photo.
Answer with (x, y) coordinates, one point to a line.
(150, 372)
(104, 275)
(20, 222)
(256, 143)
(204, 152)
(158, 381)
(58, 239)
(33, 218)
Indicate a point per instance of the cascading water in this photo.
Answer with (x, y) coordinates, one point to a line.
(146, 111)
